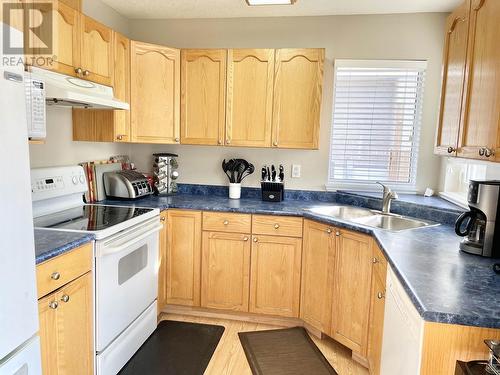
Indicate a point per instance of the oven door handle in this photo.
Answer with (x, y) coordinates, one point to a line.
(124, 244)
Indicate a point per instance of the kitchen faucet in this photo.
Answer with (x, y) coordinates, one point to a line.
(389, 195)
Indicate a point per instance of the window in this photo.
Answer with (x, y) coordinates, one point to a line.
(376, 123)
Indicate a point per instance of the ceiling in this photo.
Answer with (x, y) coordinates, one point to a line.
(238, 8)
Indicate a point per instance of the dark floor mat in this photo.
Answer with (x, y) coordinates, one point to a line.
(175, 348)
(287, 351)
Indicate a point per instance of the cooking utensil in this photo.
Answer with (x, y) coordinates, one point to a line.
(273, 173)
(282, 173)
(264, 173)
(268, 174)
(248, 172)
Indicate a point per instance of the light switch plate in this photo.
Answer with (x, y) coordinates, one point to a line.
(295, 170)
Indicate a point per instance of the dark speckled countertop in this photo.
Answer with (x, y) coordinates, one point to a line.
(444, 284)
(51, 243)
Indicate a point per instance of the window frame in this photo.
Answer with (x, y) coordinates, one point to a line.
(370, 186)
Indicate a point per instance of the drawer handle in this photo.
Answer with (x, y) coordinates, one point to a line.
(380, 295)
(375, 260)
(65, 298)
(255, 239)
(55, 276)
(53, 305)
(225, 222)
(276, 226)
(245, 238)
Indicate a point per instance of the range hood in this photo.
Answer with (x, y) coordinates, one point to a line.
(66, 91)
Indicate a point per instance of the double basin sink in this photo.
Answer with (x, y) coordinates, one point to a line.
(371, 218)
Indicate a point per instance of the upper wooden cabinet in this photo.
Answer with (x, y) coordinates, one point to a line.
(480, 136)
(454, 56)
(470, 100)
(155, 93)
(203, 96)
(352, 285)
(318, 267)
(297, 97)
(250, 77)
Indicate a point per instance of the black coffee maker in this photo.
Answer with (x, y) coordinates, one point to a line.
(478, 226)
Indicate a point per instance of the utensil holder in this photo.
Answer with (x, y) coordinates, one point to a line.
(234, 190)
(272, 191)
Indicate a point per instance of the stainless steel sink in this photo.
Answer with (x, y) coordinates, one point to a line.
(392, 222)
(342, 212)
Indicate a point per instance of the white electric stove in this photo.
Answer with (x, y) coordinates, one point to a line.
(126, 257)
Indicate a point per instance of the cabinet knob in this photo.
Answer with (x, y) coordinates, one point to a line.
(86, 73)
(374, 260)
(380, 295)
(337, 233)
(162, 218)
(451, 150)
(255, 239)
(119, 137)
(275, 143)
(488, 152)
(276, 226)
(53, 305)
(219, 142)
(228, 141)
(78, 70)
(245, 239)
(225, 222)
(55, 276)
(481, 151)
(65, 298)
(176, 139)
(329, 230)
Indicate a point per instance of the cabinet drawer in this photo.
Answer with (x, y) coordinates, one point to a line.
(60, 270)
(226, 222)
(379, 263)
(277, 225)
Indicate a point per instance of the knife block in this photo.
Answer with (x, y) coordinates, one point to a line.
(272, 191)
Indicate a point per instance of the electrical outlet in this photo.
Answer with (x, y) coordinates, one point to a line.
(295, 170)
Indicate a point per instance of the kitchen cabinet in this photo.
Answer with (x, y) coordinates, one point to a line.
(183, 258)
(351, 292)
(318, 266)
(98, 125)
(479, 135)
(162, 261)
(275, 275)
(297, 97)
(454, 56)
(203, 96)
(250, 78)
(377, 309)
(155, 93)
(225, 271)
(66, 329)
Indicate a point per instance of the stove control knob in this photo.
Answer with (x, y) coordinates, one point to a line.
(174, 175)
(75, 180)
(82, 179)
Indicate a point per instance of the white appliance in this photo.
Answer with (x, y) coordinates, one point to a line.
(126, 260)
(35, 106)
(403, 331)
(67, 91)
(19, 343)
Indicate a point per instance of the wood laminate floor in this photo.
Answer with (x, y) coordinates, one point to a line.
(229, 357)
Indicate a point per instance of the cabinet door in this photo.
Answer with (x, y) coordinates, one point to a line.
(65, 35)
(183, 257)
(66, 329)
(454, 57)
(155, 93)
(250, 77)
(482, 99)
(203, 96)
(352, 285)
(225, 271)
(297, 97)
(162, 269)
(376, 327)
(121, 86)
(318, 264)
(275, 275)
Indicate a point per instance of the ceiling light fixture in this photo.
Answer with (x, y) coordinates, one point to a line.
(270, 2)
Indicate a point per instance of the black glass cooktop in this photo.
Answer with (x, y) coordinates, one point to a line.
(89, 217)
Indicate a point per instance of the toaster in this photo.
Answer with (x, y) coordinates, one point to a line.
(126, 184)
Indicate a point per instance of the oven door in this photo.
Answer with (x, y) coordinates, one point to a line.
(126, 279)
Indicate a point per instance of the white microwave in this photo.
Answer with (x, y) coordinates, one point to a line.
(35, 106)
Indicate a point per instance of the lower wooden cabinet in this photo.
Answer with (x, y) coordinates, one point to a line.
(352, 285)
(162, 261)
(275, 275)
(183, 257)
(66, 329)
(376, 327)
(318, 266)
(225, 274)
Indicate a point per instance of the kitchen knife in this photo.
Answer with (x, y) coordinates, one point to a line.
(264, 173)
(282, 173)
(268, 174)
(273, 172)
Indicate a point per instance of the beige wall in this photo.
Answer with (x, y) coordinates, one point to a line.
(411, 36)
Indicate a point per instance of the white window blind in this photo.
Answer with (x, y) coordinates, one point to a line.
(376, 123)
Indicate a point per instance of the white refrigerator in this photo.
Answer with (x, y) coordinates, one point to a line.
(19, 342)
